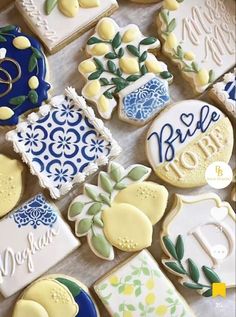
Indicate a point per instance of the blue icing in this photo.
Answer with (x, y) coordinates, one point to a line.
(230, 88)
(35, 212)
(147, 100)
(10, 73)
(86, 305)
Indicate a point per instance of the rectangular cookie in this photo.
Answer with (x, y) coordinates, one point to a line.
(33, 238)
(139, 288)
(57, 23)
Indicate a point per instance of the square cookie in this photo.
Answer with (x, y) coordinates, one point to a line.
(58, 22)
(33, 238)
(138, 288)
(63, 143)
(199, 36)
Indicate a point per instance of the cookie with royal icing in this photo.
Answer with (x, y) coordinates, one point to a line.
(199, 36)
(58, 22)
(145, 1)
(138, 287)
(23, 74)
(122, 66)
(120, 211)
(224, 93)
(63, 143)
(28, 238)
(206, 225)
(11, 183)
(56, 296)
(185, 139)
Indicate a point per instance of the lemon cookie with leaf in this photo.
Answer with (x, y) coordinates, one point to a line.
(120, 211)
(120, 68)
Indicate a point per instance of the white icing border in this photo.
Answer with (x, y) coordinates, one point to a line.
(80, 103)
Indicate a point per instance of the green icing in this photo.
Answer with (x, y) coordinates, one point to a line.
(84, 226)
(137, 173)
(72, 286)
(76, 209)
(101, 245)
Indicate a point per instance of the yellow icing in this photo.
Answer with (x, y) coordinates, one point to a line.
(89, 3)
(87, 66)
(149, 197)
(154, 66)
(161, 310)
(69, 7)
(189, 56)
(10, 183)
(130, 35)
(171, 5)
(54, 297)
(33, 82)
(6, 113)
(150, 299)
(21, 42)
(100, 49)
(129, 65)
(103, 104)
(133, 234)
(106, 30)
(202, 77)
(171, 41)
(92, 89)
(28, 308)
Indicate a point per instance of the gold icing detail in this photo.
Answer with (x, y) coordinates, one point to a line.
(129, 65)
(29, 308)
(202, 77)
(89, 3)
(69, 8)
(106, 30)
(171, 5)
(6, 113)
(87, 66)
(154, 66)
(93, 88)
(33, 82)
(189, 56)
(21, 42)
(130, 35)
(100, 49)
(103, 104)
(171, 41)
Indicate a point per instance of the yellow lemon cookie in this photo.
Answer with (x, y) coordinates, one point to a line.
(29, 308)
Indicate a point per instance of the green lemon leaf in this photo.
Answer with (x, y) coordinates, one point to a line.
(133, 50)
(104, 81)
(105, 182)
(101, 245)
(50, 5)
(98, 63)
(32, 63)
(148, 41)
(90, 192)
(175, 267)
(193, 270)
(143, 57)
(115, 172)
(137, 173)
(2, 39)
(130, 307)
(211, 275)
(33, 97)
(108, 94)
(105, 199)
(211, 76)
(192, 286)
(179, 247)
(74, 288)
(165, 75)
(84, 226)
(93, 40)
(207, 293)
(171, 26)
(180, 52)
(95, 75)
(98, 222)
(121, 52)
(116, 41)
(17, 101)
(165, 17)
(143, 70)
(36, 52)
(120, 186)
(111, 55)
(132, 78)
(75, 209)
(94, 209)
(7, 28)
(111, 66)
(170, 247)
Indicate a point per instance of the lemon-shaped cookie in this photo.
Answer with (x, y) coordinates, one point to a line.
(127, 227)
(29, 308)
(149, 197)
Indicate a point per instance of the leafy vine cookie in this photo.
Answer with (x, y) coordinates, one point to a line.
(199, 36)
(23, 70)
(206, 225)
(122, 66)
(138, 288)
(11, 183)
(63, 143)
(120, 211)
(58, 22)
(56, 296)
(185, 139)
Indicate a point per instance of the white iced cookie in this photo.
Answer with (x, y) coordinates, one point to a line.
(185, 139)
(199, 36)
(206, 225)
(120, 211)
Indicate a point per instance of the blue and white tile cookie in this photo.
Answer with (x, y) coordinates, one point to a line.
(63, 143)
(122, 67)
(23, 74)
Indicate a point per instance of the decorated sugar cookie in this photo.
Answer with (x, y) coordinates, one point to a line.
(233, 190)
(145, 1)
(199, 36)
(58, 22)
(122, 67)
(185, 139)
(11, 183)
(138, 288)
(39, 232)
(63, 143)
(224, 93)
(120, 211)
(56, 296)
(23, 83)
(206, 225)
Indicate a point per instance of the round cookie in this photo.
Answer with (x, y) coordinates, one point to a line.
(56, 296)
(185, 139)
(11, 183)
(23, 70)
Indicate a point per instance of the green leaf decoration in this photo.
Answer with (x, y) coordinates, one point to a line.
(93, 40)
(2, 39)
(173, 309)
(95, 75)
(195, 66)
(104, 81)
(171, 26)
(50, 5)
(143, 57)
(121, 52)
(145, 271)
(120, 186)
(98, 222)
(138, 172)
(98, 63)
(207, 293)
(84, 226)
(119, 72)
(121, 307)
(138, 291)
(128, 278)
(148, 41)
(116, 41)
(7, 28)
(115, 172)
(111, 55)
(94, 209)
(74, 288)
(179, 247)
(211, 76)
(36, 52)
(130, 307)
(165, 75)
(75, 209)
(180, 52)
(133, 50)
(175, 267)
(101, 245)
(192, 286)
(132, 78)
(105, 199)
(33, 97)
(193, 271)
(106, 182)
(143, 70)
(169, 300)
(32, 63)
(111, 66)
(165, 17)
(210, 275)
(108, 94)
(119, 81)
(90, 193)
(17, 101)
(170, 247)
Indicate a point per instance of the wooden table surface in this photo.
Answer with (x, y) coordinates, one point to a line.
(83, 264)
